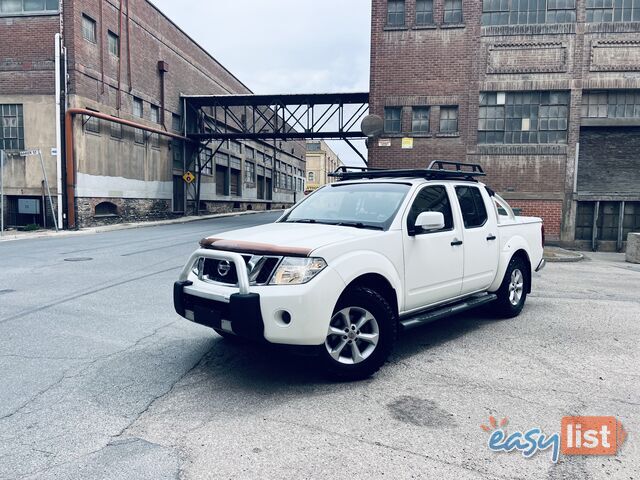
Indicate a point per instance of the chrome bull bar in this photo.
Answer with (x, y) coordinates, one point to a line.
(235, 258)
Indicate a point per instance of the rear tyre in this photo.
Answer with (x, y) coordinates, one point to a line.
(512, 294)
(361, 335)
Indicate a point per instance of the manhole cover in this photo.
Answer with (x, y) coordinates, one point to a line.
(78, 259)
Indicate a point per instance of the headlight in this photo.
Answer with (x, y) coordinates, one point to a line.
(296, 271)
(198, 267)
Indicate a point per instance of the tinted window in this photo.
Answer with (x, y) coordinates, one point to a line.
(431, 199)
(474, 212)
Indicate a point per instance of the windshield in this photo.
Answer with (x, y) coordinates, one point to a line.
(359, 205)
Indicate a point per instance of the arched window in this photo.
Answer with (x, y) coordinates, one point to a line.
(312, 177)
(106, 209)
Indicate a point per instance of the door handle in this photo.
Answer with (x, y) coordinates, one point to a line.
(491, 238)
(456, 243)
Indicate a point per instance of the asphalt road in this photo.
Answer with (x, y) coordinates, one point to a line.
(100, 379)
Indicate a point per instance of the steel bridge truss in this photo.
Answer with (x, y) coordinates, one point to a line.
(211, 120)
(277, 117)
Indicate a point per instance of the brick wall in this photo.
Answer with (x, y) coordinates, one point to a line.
(550, 211)
(440, 65)
(609, 160)
(27, 56)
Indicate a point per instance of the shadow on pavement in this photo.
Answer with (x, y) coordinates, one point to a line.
(256, 366)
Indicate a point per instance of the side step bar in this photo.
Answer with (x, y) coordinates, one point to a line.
(446, 311)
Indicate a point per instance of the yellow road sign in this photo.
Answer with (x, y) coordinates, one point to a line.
(189, 177)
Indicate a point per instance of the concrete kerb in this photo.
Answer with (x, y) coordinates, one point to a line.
(14, 236)
(560, 255)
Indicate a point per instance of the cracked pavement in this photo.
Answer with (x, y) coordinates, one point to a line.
(101, 380)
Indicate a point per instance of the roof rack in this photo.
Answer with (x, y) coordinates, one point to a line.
(438, 170)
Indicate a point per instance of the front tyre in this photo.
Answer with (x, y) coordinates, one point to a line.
(361, 335)
(512, 294)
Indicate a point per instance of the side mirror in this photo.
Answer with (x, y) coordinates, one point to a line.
(429, 222)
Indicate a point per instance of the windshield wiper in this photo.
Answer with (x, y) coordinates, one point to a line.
(359, 225)
(302, 220)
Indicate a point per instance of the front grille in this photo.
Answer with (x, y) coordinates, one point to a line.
(221, 271)
(260, 269)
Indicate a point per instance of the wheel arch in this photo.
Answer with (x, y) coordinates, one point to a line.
(378, 283)
(517, 246)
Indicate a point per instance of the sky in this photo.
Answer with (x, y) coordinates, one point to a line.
(285, 46)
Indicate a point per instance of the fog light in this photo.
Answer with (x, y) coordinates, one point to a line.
(284, 317)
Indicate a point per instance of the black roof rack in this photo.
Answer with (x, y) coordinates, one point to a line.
(438, 170)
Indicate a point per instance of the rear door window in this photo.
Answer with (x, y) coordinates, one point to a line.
(474, 211)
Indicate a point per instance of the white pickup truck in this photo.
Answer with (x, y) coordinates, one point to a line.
(358, 261)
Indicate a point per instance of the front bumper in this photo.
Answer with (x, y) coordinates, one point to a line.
(258, 312)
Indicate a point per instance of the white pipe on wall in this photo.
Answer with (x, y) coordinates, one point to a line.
(58, 87)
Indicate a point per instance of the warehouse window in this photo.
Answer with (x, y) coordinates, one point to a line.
(176, 122)
(611, 104)
(452, 11)
(206, 161)
(523, 117)
(12, 127)
(155, 118)
(449, 119)
(89, 29)
(116, 130)
(114, 44)
(517, 12)
(395, 13)
(420, 121)
(27, 7)
(393, 119)
(138, 111)
(235, 146)
(91, 124)
(235, 186)
(424, 12)
(613, 11)
(249, 172)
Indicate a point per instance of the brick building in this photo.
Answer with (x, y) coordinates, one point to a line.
(124, 59)
(545, 94)
(321, 161)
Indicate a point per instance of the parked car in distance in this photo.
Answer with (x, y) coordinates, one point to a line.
(359, 260)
